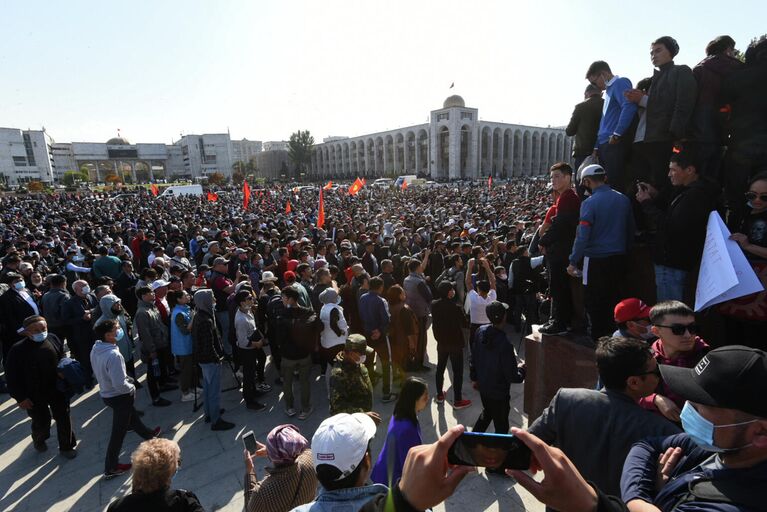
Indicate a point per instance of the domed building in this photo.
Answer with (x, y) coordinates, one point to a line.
(453, 145)
(118, 141)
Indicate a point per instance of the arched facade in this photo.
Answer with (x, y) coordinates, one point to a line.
(455, 144)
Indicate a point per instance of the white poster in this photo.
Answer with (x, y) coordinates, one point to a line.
(724, 270)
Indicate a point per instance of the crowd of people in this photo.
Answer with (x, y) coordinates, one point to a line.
(122, 293)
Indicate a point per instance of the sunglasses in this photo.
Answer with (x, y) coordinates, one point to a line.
(753, 195)
(679, 329)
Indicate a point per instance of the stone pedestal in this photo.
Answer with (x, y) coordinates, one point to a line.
(555, 362)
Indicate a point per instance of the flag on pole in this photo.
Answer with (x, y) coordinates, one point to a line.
(212, 196)
(288, 209)
(245, 195)
(364, 182)
(328, 186)
(356, 187)
(155, 190)
(490, 182)
(321, 214)
(451, 85)
(404, 185)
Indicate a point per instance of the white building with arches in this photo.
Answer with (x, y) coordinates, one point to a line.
(454, 145)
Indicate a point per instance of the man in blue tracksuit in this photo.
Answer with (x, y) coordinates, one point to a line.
(617, 115)
(374, 312)
(604, 235)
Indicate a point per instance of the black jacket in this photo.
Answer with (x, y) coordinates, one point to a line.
(744, 91)
(31, 369)
(166, 500)
(448, 323)
(80, 331)
(494, 363)
(206, 339)
(670, 103)
(681, 225)
(584, 125)
(13, 310)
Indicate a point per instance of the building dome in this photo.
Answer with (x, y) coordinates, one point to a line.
(118, 141)
(454, 101)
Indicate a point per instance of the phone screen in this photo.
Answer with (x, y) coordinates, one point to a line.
(496, 451)
(249, 440)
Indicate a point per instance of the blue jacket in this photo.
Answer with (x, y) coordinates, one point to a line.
(180, 339)
(374, 313)
(617, 111)
(351, 499)
(606, 226)
(494, 363)
(696, 464)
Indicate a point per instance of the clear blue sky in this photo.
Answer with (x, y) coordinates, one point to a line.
(265, 69)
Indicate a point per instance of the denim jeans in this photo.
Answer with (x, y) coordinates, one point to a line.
(211, 390)
(669, 283)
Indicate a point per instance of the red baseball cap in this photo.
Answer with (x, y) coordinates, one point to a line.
(289, 275)
(631, 309)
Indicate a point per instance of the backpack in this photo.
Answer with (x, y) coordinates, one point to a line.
(305, 329)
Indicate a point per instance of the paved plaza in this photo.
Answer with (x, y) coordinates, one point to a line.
(212, 465)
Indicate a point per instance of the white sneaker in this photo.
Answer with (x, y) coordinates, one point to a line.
(187, 397)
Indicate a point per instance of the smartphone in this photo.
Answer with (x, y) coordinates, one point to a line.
(495, 451)
(249, 440)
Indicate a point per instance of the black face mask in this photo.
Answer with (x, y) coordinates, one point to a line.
(116, 311)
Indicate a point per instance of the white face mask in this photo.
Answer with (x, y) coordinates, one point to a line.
(363, 359)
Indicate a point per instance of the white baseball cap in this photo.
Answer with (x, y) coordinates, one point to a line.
(342, 440)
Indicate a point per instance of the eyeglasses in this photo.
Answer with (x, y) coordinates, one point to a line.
(679, 329)
(753, 195)
(655, 371)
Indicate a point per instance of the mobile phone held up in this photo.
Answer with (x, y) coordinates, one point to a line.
(494, 451)
(249, 440)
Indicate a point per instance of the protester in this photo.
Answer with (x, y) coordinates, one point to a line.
(632, 317)
(118, 393)
(250, 343)
(155, 345)
(155, 463)
(334, 326)
(350, 389)
(449, 322)
(112, 309)
(31, 370)
(584, 124)
(403, 433)
(290, 481)
(296, 347)
(418, 297)
(181, 341)
(403, 334)
(376, 321)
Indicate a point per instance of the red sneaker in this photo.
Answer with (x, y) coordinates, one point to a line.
(461, 404)
(440, 398)
(117, 471)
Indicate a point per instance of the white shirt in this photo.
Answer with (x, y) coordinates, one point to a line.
(477, 306)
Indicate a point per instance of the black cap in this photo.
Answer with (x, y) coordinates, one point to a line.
(733, 377)
(496, 311)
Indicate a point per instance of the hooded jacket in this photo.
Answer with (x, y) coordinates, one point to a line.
(109, 368)
(205, 337)
(126, 343)
(494, 363)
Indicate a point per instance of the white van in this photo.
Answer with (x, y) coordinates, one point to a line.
(182, 190)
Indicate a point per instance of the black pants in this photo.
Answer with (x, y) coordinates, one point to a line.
(55, 405)
(559, 289)
(650, 162)
(525, 304)
(81, 350)
(613, 159)
(123, 416)
(253, 361)
(153, 381)
(493, 410)
(456, 362)
(274, 348)
(383, 351)
(603, 292)
(420, 349)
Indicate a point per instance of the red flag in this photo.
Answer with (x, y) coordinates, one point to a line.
(489, 182)
(288, 209)
(212, 196)
(155, 190)
(364, 182)
(328, 186)
(356, 187)
(321, 214)
(245, 195)
(404, 185)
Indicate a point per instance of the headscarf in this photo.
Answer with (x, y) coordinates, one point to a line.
(284, 443)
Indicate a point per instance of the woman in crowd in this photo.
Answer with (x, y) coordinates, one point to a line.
(290, 481)
(404, 431)
(155, 463)
(403, 331)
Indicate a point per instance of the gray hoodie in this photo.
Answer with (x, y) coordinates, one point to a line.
(126, 344)
(109, 368)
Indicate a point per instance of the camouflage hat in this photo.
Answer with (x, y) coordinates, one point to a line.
(357, 343)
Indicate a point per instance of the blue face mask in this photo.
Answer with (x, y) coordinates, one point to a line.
(701, 431)
(40, 337)
(19, 285)
(119, 334)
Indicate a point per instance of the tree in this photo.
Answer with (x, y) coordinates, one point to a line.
(300, 149)
(35, 186)
(72, 177)
(239, 168)
(216, 178)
